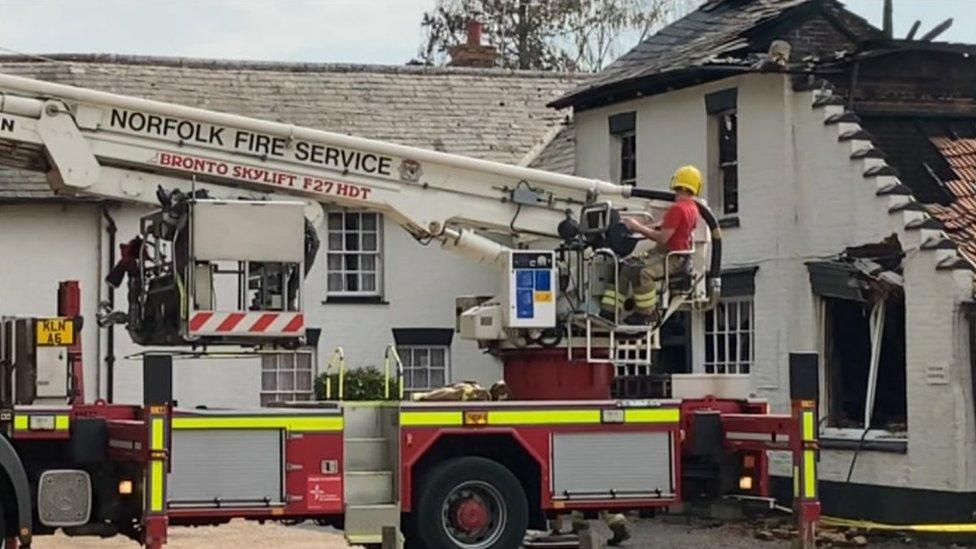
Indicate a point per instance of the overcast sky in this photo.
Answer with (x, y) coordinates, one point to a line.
(332, 31)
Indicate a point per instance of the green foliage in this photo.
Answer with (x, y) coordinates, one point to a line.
(565, 35)
(365, 383)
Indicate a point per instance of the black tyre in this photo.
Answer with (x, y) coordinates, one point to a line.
(470, 503)
(3, 528)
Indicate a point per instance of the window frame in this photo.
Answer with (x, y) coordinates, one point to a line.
(378, 255)
(294, 370)
(409, 350)
(627, 156)
(832, 432)
(725, 165)
(713, 366)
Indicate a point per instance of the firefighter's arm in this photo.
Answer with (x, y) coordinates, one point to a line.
(659, 234)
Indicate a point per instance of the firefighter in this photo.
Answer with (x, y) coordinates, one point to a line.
(641, 274)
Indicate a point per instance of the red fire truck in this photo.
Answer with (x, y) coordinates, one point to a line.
(466, 474)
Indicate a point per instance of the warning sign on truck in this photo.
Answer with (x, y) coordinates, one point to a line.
(55, 331)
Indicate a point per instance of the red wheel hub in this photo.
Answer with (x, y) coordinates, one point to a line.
(471, 515)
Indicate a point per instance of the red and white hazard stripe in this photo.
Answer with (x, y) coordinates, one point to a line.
(251, 323)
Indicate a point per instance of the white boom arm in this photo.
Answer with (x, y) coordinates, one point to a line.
(121, 148)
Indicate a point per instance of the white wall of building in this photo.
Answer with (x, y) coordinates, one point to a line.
(41, 245)
(801, 198)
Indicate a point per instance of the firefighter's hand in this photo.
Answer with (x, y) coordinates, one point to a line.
(632, 224)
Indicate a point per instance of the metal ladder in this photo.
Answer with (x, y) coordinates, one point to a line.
(371, 446)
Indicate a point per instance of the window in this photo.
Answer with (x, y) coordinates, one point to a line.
(723, 151)
(354, 253)
(287, 377)
(729, 331)
(425, 367)
(848, 380)
(628, 158)
(624, 135)
(426, 356)
(728, 162)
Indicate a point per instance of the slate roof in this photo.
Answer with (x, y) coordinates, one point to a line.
(559, 155)
(719, 39)
(492, 114)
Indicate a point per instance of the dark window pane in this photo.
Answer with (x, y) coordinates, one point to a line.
(335, 221)
(352, 282)
(352, 221)
(369, 222)
(437, 378)
(730, 189)
(628, 158)
(733, 347)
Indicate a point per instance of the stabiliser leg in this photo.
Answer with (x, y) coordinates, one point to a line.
(157, 379)
(804, 393)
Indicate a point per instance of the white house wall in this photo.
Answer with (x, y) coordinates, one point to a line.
(801, 197)
(41, 245)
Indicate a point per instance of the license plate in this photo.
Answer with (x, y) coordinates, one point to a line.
(55, 331)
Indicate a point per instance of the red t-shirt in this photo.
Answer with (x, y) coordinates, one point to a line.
(682, 216)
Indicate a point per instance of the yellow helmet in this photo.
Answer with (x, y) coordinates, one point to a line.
(687, 178)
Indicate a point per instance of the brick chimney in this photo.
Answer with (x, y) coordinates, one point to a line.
(472, 53)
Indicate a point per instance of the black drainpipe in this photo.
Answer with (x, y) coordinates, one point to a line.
(111, 229)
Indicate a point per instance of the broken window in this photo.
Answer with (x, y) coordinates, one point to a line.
(623, 131)
(728, 161)
(628, 158)
(723, 170)
(862, 313)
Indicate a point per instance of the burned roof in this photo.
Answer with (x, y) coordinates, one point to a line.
(719, 39)
(917, 103)
(492, 114)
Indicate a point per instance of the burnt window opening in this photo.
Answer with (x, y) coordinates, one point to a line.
(863, 336)
(728, 161)
(848, 359)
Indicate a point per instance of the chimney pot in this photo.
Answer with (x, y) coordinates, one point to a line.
(474, 32)
(472, 53)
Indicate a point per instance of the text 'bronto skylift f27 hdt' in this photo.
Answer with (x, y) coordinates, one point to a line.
(587, 277)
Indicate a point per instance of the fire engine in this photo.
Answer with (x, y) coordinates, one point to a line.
(222, 262)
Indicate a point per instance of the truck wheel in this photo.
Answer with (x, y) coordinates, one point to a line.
(3, 528)
(471, 503)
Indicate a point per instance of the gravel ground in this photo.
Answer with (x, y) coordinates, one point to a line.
(666, 532)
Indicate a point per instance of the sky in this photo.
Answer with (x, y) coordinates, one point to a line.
(327, 31)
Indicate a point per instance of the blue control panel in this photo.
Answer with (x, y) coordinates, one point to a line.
(531, 288)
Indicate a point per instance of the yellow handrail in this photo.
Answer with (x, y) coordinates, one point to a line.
(391, 353)
(338, 359)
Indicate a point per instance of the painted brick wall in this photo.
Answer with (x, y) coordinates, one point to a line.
(802, 197)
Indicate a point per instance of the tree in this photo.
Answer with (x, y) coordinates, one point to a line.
(569, 35)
